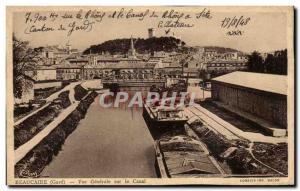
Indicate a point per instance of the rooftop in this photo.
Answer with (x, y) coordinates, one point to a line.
(226, 61)
(67, 64)
(264, 82)
(43, 67)
(123, 65)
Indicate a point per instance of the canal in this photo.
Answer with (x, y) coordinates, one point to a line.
(108, 143)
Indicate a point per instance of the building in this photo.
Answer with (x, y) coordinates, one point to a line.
(78, 61)
(122, 70)
(167, 68)
(218, 67)
(56, 51)
(43, 73)
(210, 54)
(103, 66)
(262, 97)
(98, 67)
(68, 71)
(195, 62)
(160, 54)
(200, 50)
(191, 73)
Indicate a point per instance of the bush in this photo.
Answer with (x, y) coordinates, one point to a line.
(80, 92)
(18, 111)
(275, 155)
(35, 123)
(63, 98)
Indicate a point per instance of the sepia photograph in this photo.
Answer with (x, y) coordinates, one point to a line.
(150, 95)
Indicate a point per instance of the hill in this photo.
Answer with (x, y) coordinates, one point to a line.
(121, 46)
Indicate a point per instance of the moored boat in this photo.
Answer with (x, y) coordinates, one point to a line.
(163, 115)
(184, 157)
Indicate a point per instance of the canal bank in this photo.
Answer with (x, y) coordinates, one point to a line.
(108, 143)
(32, 157)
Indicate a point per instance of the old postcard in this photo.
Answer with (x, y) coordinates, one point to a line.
(150, 95)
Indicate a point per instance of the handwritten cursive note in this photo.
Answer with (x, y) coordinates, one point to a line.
(85, 20)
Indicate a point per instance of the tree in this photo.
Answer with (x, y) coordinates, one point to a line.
(24, 58)
(282, 61)
(275, 63)
(255, 62)
(270, 64)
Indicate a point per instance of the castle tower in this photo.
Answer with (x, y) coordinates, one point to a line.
(151, 32)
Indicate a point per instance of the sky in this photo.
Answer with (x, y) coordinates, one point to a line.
(264, 31)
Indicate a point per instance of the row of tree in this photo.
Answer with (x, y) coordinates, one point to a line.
(275, 63)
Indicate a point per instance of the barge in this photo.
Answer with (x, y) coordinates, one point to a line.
(164, 116)
(184, 157)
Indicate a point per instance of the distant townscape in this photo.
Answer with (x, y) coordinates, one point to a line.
(134, 58)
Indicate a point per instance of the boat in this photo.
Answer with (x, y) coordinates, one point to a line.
(184, 157)
(164, 115)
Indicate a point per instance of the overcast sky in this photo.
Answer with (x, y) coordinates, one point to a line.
(265, 31)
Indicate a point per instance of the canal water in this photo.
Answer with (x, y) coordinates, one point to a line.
(108, 143)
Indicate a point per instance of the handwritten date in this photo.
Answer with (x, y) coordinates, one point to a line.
(234, 22)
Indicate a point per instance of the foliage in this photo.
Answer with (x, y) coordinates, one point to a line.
(121, 46)
(24, 58)
(273, 64)
(64, 99)
(255, 62)
(80, 92)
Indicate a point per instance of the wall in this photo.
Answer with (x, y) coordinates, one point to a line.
(45, 74)
(92, 84)
(269, 106)
(47, 85)
(69, 74)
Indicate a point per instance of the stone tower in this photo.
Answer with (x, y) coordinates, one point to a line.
(151, 32)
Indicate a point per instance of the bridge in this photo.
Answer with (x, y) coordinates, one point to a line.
(135, 82)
